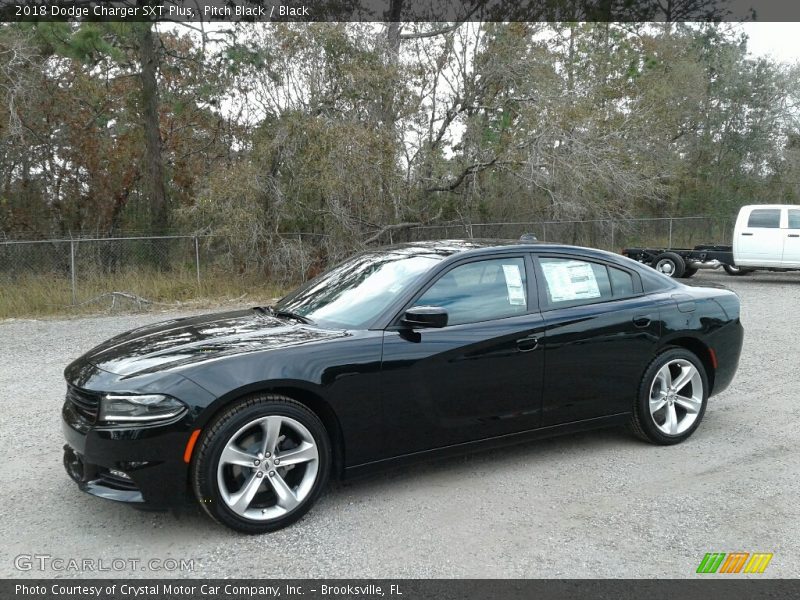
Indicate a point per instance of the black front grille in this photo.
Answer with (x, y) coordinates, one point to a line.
(85, 403)
(114, 481)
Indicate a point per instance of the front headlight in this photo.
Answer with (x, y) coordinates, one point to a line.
(118, 408)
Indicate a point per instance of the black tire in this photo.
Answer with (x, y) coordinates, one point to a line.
(688, 272)
(643, 424)
(736, 271)
(229, 425)
(669, 264)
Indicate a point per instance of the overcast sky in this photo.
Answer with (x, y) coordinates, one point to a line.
(781, 41)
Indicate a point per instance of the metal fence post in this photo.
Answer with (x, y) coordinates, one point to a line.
(72, 270)
(670, 233)
(197, 258)
(303, 268)
(612, 236)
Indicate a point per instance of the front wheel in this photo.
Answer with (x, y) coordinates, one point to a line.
(261, 464)
(672, 398)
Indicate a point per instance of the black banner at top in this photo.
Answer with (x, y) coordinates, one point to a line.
(399, 10)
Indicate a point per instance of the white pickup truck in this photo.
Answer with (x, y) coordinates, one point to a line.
(766, 237)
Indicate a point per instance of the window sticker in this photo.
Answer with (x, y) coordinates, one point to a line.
(516, 291)
(570, 280)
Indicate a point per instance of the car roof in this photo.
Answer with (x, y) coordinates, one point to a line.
(470, 247)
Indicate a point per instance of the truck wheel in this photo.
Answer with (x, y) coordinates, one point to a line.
(736, 271)
(670, 264)
(688, 272)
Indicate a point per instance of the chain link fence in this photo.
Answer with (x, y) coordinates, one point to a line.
(47, 274)
(85, 259)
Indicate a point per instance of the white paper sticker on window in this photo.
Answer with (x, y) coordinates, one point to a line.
(570, 280)
(516, 291)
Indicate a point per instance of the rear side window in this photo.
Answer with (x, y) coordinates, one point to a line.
(794, 219)
(768, 218)
(621, 282)
(572, 281)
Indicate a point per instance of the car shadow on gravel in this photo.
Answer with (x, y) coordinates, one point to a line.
(577, 446)
(184, 522)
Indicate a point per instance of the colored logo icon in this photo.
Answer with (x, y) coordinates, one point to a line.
(734, 562)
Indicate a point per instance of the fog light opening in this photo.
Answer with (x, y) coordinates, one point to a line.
(73, 464)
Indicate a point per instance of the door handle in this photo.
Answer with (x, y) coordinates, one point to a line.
(641, 321)
(528, 343)
(747, 233)
(794, 235)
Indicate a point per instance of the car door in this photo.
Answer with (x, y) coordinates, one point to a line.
(791, 240)
(760, 239)
(600, 332)
(478, 377)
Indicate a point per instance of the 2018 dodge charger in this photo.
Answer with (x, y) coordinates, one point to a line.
(396, 354)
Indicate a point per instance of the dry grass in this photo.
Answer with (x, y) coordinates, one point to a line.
(37, 296)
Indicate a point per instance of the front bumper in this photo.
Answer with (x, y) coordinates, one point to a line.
(139, 465)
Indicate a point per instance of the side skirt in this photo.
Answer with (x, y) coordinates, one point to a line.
(365, 469)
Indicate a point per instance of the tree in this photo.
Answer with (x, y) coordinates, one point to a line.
(153, 161)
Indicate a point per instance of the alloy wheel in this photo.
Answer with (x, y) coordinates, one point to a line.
(676, 396)
(268, 468)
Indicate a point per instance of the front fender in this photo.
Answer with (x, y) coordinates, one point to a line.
(343, 373)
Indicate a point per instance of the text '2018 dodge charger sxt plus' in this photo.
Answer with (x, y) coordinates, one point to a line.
(396, 354)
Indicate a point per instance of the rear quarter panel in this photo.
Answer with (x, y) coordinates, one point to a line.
(711, 329)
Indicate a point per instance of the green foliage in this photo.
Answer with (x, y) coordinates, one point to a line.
(344, 129)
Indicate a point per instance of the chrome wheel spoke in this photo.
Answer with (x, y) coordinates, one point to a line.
(658, 402)
(233, 455)
(691, 405)
(286, 496)
(305, 452)
(687, 374)
(671, 424)
(241, 500)
(664, 377)
(272, 431)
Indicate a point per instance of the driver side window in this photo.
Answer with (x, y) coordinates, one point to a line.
(480, 291)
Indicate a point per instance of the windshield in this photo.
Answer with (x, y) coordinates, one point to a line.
(353, 293)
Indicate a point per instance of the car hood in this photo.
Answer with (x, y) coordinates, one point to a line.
(187, 341)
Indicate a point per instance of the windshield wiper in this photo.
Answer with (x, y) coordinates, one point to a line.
(286, 314)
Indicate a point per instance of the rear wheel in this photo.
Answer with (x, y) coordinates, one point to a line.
(669, 264)
(261, 464)
(688, 272)
(736, 271)
(672, 398)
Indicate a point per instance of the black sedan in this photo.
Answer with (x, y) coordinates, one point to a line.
(397, 354)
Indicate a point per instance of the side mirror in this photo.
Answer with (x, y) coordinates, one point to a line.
(425, 316)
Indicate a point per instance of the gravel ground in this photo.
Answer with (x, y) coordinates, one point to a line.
(598, 504)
